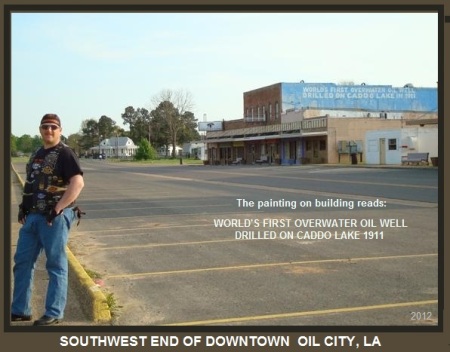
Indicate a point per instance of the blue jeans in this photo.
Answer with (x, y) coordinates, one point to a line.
(34, 236)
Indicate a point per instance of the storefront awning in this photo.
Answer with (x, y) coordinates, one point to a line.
(270, 137)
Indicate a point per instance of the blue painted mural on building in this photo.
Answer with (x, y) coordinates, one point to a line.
(363, 97)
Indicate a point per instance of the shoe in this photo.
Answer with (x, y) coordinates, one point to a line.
(46, 321)
(18, 317)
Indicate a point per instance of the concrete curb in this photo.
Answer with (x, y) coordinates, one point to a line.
(97, 307)
(96, 301)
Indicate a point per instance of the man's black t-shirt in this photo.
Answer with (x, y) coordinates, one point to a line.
(58, 162)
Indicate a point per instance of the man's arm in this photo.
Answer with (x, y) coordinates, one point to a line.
(76, 184)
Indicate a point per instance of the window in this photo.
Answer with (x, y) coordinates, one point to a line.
(392, 143)
(277, 110)
(270, 111)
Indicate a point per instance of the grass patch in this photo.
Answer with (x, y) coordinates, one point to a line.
(20, 159)
(111, 301)
(112, 304)
(162, 161)
(92, 274)
(168, 161)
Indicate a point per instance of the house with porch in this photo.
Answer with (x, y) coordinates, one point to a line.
(115, 147)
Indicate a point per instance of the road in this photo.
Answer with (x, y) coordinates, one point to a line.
(313, 245)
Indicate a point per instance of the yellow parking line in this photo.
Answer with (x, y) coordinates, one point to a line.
(168, 215)
(265, 265)
(303, 314)
(317, 179)
(189, 206)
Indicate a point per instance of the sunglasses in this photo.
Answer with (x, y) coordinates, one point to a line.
(47, 126)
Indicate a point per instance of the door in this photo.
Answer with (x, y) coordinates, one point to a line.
(293, 152)
(382, 148)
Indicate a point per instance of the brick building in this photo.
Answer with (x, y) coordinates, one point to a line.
(298, 123)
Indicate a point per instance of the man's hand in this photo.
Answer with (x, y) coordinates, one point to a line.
(51, 215)
(22, 215)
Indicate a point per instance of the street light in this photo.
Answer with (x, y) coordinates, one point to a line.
(117, 145)
(99, 142)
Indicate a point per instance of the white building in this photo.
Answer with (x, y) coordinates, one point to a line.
(389, 146)
(196, 149)
(166, 152)
(115, 147)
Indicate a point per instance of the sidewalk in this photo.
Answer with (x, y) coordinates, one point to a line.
(86, 305)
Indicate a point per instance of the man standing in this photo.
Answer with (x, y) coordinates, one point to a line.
(53, 182)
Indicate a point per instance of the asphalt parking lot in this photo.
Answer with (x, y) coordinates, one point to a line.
(262, 245)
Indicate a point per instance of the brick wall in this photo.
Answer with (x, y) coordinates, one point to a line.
(263, 97)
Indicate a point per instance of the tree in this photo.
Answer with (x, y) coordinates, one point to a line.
(106, 126)
(171, 106)
(189, 132)
(36, 142)
(13, 145)
(93, 132)
(90, 134)
(145, 151)
(139, 121)
(164, 119)
(25, 144)
(119, 132)
(74, 142)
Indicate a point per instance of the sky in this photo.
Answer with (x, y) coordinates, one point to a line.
(86, 65)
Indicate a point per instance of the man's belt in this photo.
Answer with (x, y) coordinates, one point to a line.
(36, 210)
(76, 209)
